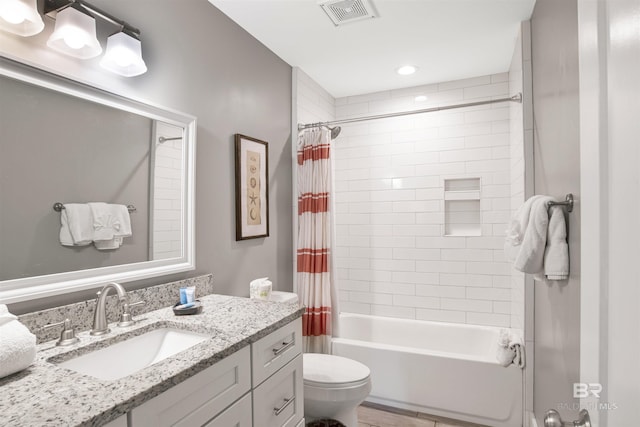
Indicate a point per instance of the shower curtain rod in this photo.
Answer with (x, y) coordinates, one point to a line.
(515, 98)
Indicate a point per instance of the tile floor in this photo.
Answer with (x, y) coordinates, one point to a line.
(372, 415)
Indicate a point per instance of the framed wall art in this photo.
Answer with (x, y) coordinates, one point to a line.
(252, 188)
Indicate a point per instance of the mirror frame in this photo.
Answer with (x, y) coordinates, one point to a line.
(28, 288)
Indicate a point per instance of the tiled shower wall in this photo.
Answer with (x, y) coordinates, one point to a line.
(393, 257)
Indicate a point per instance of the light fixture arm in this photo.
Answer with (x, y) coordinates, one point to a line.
(52, 7)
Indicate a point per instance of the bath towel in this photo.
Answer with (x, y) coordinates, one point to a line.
(17, 344)
(76, 225)
(510, 348)
(516, 344)
(536, 240)
(111, 223)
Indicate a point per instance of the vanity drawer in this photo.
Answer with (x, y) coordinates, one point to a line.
(272, 352)
(237, 415)
(279, 402)
(200, 398)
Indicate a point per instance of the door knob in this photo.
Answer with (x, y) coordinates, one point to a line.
(552, 419)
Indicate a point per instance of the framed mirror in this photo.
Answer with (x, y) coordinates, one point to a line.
(64, 142)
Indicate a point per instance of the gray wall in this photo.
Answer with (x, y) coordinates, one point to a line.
(202, 63)
(554, 31)
(58, 148)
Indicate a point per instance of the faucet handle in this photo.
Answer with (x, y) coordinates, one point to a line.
(67, 335)
(126, 319)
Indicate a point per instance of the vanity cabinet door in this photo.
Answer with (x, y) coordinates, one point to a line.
(275, 350)
(118, 422)
(237, 415)
(278, 402)
(197, 400)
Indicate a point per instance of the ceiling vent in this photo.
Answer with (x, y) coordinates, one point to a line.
(344, 11)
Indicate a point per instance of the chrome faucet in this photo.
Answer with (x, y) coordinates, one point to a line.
(100, 326)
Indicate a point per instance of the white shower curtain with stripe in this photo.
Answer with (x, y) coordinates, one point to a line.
(315, 266)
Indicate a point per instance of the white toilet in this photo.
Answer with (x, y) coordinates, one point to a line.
(334, 386)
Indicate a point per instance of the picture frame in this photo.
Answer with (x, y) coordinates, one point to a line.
(252, 187)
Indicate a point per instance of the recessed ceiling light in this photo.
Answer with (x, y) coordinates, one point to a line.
(407, 70)
(420, 98)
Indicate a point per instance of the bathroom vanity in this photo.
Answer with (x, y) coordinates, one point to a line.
(248, 371)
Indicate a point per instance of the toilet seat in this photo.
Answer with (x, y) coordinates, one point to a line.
(333, 372)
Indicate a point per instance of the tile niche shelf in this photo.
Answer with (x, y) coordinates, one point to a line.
(462, 207)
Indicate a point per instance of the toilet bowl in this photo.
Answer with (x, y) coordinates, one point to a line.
(334, 386)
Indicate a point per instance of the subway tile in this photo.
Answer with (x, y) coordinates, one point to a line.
(375, 96)
(499, 78)
(441, 266)
(483, 242)
(471, 154)
(354, 285)
(370, 230)
(398, 124)
(371, 298)
(502, 307)
(457, 84)
(393, 265)
(489, 319)
(373, 253)
(431, 218)
(416, 230)
(440, 291)
(490, 268)
(393, 242)
(427, 157)
(467, 255)
(416, 301)
(393, 218)
(414, 278)
(491, 115)
(490, 140)
(466, 305)
(440, 315)
(392, 195)
(441, 242)
(355, 307)
(393, 172)
(350, 110)
(440, 144)
(394, 288)
(370, 275)
(362, 263)
(416, 182)
(416, 254)
(455, 168)
(415, 135)
(393, 311)
(420, 205)
(495, 89)
(370, 207)
(430, 194)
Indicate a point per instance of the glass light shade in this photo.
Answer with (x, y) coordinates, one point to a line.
(75, 34)
(20, 17)
(124, 56)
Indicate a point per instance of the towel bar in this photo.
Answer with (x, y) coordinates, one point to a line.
(57, 206)
(568, 202)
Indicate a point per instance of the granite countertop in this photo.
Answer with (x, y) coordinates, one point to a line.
(46, 394)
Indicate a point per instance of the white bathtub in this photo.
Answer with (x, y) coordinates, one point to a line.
(443, 369)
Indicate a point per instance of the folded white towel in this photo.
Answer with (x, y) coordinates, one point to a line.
(517, 346)
(111, 223)
(530, 258)
(76, 225)
(505, 356)
(510, 348)
(556, 255)
(17, 344)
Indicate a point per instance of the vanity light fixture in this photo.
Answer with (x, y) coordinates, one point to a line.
(123, 55)
(20, 17)
(75, 34)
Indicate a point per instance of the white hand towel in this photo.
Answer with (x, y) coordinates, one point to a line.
(111, 223)
(516, 230)
(530, 255)
(556, 255)
(17, 344)
(517, 345)
(76, 225)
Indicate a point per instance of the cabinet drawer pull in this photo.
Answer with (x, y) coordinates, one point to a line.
(285, 345)
(286, 403)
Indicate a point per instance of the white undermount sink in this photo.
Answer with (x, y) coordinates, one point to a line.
(129, 356)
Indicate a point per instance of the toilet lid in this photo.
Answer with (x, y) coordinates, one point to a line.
(332, 370)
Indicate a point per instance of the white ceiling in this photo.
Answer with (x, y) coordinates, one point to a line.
(445, 39)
